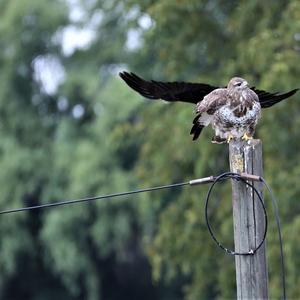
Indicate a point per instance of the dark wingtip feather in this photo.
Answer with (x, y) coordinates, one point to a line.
(288, 94)
(123, 74)
(269, 99)
(138, 84)
(196, 131)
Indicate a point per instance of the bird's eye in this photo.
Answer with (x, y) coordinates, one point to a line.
(238, 84)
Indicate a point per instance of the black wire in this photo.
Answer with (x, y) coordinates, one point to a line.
(67, 202)
(276, 212)
(237, 177)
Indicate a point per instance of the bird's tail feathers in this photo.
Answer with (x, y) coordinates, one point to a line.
(197, 127)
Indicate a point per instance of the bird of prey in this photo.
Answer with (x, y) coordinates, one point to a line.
(232, 111)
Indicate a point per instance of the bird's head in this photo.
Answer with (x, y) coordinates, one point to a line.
(237, 84)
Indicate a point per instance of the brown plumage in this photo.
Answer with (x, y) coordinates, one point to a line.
(232, 111)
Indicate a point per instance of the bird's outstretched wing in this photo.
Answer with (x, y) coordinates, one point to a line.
(190, 92)
(267, 99)
(169, 91)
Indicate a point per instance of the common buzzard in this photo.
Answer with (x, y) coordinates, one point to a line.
(232, 111)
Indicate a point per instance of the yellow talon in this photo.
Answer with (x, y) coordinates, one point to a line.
(229, 138)
(247, 137)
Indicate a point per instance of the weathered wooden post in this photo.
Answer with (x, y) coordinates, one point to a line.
(251, 270)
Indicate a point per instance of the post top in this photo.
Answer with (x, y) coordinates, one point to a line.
(242, 153)
(244, 144)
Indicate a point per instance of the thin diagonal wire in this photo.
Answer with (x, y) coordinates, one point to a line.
(68, 202)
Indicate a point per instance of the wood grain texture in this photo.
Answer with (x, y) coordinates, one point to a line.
(251, 270)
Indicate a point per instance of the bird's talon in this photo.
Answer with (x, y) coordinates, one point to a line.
(229, 138)
(247, 137)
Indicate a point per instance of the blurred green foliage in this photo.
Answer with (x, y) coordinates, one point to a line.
(93, 135)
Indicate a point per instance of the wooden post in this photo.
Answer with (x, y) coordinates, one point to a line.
(251, 270)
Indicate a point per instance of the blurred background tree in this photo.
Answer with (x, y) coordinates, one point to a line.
(70, 128)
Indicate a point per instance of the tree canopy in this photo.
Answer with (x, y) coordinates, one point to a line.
(71, 128)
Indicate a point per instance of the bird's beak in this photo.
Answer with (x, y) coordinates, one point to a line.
(245, 84)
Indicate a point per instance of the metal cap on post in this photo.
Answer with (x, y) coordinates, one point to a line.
(248, 220)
